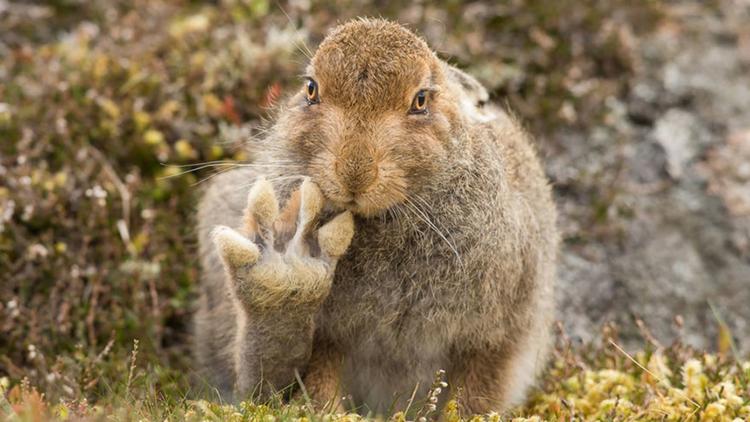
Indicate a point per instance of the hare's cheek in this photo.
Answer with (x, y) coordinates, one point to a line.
(322, 169)
(301, 144)
(427, 151)
(430, 140)
(440, 129)
(306, 136)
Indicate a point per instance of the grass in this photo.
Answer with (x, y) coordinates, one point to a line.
(109, 111)
(593, 382)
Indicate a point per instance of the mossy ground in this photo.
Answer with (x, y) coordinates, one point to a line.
(109, 112)
(595, 382)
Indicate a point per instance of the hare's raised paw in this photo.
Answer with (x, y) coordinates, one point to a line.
(280, 257)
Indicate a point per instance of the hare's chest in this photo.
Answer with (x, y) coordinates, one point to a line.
(399, 305)
(396, 288)
(393, 337)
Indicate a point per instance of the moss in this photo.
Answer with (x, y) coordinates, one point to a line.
(108, 113)
(591, 383)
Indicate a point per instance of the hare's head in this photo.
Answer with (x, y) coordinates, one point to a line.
(373, 121)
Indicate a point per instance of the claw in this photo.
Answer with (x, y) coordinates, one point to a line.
(235, 249)
(334, 237)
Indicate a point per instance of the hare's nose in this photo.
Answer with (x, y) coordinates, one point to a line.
(356, 169)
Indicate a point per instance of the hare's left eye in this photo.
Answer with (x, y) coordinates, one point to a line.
(311, 90)
(419, 103)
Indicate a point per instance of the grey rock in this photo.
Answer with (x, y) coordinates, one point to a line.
(653, 205)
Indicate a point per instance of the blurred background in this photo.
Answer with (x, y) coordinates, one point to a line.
(641, 111)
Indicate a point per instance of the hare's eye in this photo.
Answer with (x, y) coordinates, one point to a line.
(419, 103)
(311, 90)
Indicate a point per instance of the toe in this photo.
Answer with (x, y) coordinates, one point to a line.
(334, 237)
(311, 202)
(262, 209)
(287, 222)
(235, 249)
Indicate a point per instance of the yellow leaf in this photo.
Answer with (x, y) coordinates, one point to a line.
(212, 104)
(168, 109)
(109, 107)
(184, 150)
(141, 120)
(724, 340)
(153, 137)
(216, 152)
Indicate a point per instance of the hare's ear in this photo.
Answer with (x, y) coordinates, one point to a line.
(474, 90)
(474, 97)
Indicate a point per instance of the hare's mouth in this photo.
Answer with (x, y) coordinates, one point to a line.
(360, 204)
(375, 200)
(352, 204)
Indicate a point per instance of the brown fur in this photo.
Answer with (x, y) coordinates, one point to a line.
(452, 260)
(323, 376)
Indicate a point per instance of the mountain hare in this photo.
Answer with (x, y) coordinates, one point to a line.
(416, 233)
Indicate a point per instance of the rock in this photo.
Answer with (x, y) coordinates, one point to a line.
(656, 208)
(680, 134)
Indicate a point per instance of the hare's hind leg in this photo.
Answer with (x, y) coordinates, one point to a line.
(322, 380)
(494, 379)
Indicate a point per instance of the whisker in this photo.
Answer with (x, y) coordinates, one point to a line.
(390, 213)
(199, 164)
(286, 164)
(296, 176)
(182, 173)
(420, 214)
(404, 217)
(227, 164)
(271, 179)
(306, 51)
(426, 206)
(222, 171)
(420, 233)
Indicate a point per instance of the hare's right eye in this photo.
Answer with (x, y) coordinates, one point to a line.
(311, 90)
(419, 103)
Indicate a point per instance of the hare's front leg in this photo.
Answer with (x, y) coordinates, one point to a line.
(279, 269)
